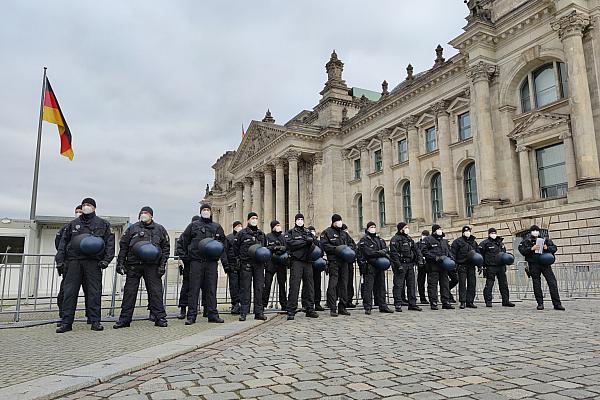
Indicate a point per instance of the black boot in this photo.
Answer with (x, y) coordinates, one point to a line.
(398, 309)
(386, 310)
(414, 308)
(97, 326)
(540, 306)
(121, 324)
(318, 307)
(162, 322)
(260, 317)
(312, 314)
(190, 321)
(64, 328)
(508, 304)
(343, 311)
(559, 307)
(182, 312)
(434, 307)
(215, 319)
(235, 309)
(151, 317)
(462, 306)
(447, 307)
(290, 316)
(351, 305)
(471, 305)
(242, 317)
(368, 311)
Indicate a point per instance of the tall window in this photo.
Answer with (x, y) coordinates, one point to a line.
(406, 208)
(359, 205)
(402, 151)
(464, 126)
(357, 169)
(470, 183)
(551, 171)
(548, 83)
(430, 140)
(12, 244)
(381, 204)
(436, 196)
(378, 162)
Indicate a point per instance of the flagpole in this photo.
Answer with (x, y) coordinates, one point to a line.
(36, 170)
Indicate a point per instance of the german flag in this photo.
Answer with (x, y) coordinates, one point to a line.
(54, 115)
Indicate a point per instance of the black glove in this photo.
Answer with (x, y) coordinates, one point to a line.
(103, 264)
(362, 268)
(61, 269)
(382, 253)
(180, 269)
(120, 269)
(228, 269)
(162, 269)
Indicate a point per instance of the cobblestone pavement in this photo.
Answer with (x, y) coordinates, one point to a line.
(29, 353)
(497, 353)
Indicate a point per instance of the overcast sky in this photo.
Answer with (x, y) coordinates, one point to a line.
(154, 92)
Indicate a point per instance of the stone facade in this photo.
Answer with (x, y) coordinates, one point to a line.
(503, 134)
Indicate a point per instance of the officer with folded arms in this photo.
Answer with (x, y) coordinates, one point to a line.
(492, 250)
(436, 250)
(233, 269)
(85, 250)
(184, 271)
(464, 250)
(404, 256)
(144, 251)
(277, 265)
(540, 263)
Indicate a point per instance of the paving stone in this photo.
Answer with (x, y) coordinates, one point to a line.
(452, 392)
(247, 393)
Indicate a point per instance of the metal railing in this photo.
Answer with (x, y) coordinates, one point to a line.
(29, 287)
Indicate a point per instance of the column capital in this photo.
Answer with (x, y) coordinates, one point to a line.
(482, 71)
(573, 24)
(280, 163)
(239, 185)
(384, 134)
(440, 108)
(257, 175)
(521, 148)
(248, 180)
(292, 155)
(318, 158)
(267, 169)
(361, 145)
(410, 121)
(565, 135)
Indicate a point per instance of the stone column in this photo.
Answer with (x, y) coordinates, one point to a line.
(268, 205)
(256, 195)
(414, 168)
(280, 190)
(570, 163)
(480, 75)
(317, 166)
(247, 198)
(388, 178)
(293, 206)
(239, 201)
(525, 168)
(570, 30)
(365, 182)
(446, 164)
(302, 189)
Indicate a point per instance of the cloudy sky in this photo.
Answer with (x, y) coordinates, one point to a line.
(155, 91)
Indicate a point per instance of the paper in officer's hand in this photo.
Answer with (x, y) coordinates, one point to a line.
(540, 243)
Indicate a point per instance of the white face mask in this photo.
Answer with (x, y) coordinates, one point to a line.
(493, 235)
(535, 233)
(467, 234)
(277, 229)
(253, 222)
(145, 217)
(87, 209)
(338, 224)
(372, 229)
(423, 237)
(439, 232)
(205, 214)
(78, 214)
(314, 233)
(406, 231)
(237, 228)
(300, 222)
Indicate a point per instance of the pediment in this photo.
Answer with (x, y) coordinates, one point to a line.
(257, 140)
(539, 122)
(374, 144)
(458, 104)
(397, 133)
(353, 154)
(425, 119)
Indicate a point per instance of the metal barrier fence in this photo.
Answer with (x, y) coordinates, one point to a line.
(29, 285)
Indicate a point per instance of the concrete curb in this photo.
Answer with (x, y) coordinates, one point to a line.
(52, 386)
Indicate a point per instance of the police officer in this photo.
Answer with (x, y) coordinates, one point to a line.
(276, 243)
(337, 286)
(435, 248)
(203, 272)
(184, 271)
(422, 268)
(404, 255)
(350, 289)
(85, 249)
(252, 272)
(529, 249)
(61, 272)
(136, 263)
(493, 267)
(462, 248)
(233, 270)
(371, 247)
(300, 243)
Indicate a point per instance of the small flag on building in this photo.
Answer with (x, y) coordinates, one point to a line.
(53, 114)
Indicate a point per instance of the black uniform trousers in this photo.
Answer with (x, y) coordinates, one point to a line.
(404, 278)
(421, 279)
(317, 280)
(453, 278)
(435, 276)
(185, 287)
(234, 286)
(252, 276)
(60, 297)
(491, 274)
(536, 272)
(80, 273)
(374, 286)
(350, 287)
(467, 283)
(301, 271)
(154, 288)
(281, 272)
(203, 276)
(337, 285)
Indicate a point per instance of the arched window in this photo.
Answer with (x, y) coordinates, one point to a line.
(544, 85)
(436, 196)
(359, 206)
(406, 208)
(470, 184)
(381, 204)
